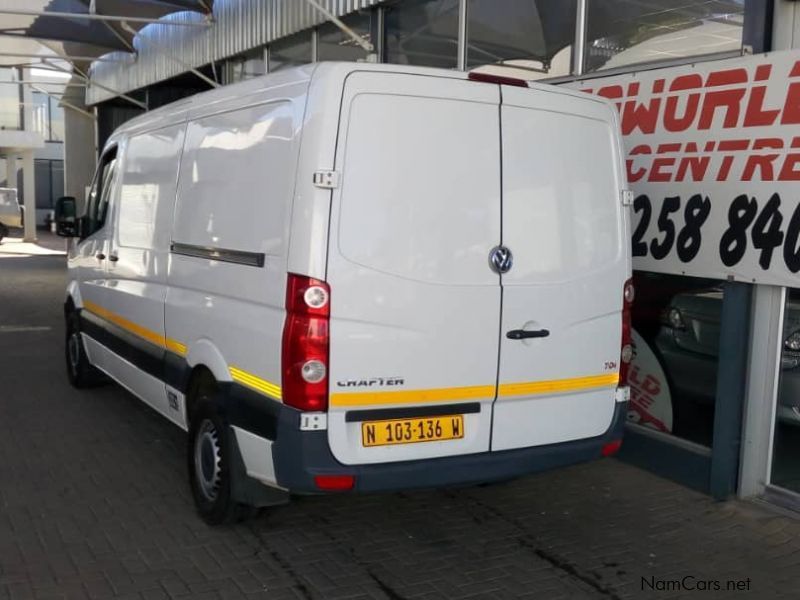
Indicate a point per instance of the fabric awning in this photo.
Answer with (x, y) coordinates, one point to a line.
(44, 28)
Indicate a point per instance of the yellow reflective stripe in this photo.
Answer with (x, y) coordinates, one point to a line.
(573, 384)
(176, 347)
(255, 383)
(412, 396)
(136, 329)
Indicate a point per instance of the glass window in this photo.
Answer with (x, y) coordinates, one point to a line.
(673, 377)
(40, 114)
(57, 178)
(335, 44)
(292, 51)
(533, 37)
(99, 194)
(44, 193)
(9, 100)
(422, 32)
(247, 66)
(56, 121)
(625, 32)
(785, 463)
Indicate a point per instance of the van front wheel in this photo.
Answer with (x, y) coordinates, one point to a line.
(210, 466)
(80, 371)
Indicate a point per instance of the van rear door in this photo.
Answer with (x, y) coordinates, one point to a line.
(562, 299)
(415, 308)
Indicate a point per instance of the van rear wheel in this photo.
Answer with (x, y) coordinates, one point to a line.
(3, 231)
(209, 458)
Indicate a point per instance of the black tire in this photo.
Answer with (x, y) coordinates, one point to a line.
(80, 371)
(209, 462)
(3, 232)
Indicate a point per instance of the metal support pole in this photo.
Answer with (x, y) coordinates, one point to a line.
(734, 341)
(579, 47)
(461, 62)
(11, 170)
(380, 33)
(29, 191)
(764, 369)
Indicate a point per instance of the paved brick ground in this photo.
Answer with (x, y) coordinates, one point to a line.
(94, 504)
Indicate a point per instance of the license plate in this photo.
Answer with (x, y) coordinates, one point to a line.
(411, 431)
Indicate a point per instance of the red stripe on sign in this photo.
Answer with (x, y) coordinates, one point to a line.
(762, 72)
(729, 145)
(729, 77)
(665, 148)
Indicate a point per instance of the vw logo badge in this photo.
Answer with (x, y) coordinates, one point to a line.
(500, 259)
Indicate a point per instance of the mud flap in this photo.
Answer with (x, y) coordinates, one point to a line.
(245, 489)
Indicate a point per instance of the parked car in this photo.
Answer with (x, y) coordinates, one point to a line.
(10, 212)
(336, 280)
(688, 344)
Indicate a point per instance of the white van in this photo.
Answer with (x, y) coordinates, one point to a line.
(353, 277)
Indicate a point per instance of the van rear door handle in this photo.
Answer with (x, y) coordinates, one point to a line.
(521, 334)
(113, 258)
(100, 256)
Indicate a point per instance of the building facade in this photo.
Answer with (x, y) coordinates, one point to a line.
(717, 378)
(32, 133)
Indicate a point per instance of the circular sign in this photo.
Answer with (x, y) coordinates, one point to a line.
(651, 402)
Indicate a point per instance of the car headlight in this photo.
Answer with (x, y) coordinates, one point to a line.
(792, 343)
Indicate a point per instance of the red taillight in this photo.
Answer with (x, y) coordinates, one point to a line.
(335, 483)
(611, 448)
(626, 352)
(306, 343)
(499, 79)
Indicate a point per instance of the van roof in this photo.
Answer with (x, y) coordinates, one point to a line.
(177, 111)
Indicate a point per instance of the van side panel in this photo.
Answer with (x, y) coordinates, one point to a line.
(230, 236)
(136, 280)
(311, 205)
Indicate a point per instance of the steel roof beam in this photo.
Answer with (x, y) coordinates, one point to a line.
(63, 102)
(58, 56)
(96, 17)
(365, 45)
(76, 72)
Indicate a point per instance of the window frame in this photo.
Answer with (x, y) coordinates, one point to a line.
(99, 190)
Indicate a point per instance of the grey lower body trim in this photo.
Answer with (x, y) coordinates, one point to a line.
(301, 455)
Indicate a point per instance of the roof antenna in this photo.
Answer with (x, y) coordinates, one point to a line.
(372, 57)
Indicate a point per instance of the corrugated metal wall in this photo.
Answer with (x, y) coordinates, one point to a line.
(165, 51)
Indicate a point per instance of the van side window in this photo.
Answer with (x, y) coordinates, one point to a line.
(100, 193)
(147, 185)
(236, 174)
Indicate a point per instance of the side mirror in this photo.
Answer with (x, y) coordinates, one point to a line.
(66, 217)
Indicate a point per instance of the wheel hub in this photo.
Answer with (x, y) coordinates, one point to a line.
(74, 351)
(207, 460)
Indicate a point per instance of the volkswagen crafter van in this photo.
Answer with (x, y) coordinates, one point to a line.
(352, 277)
